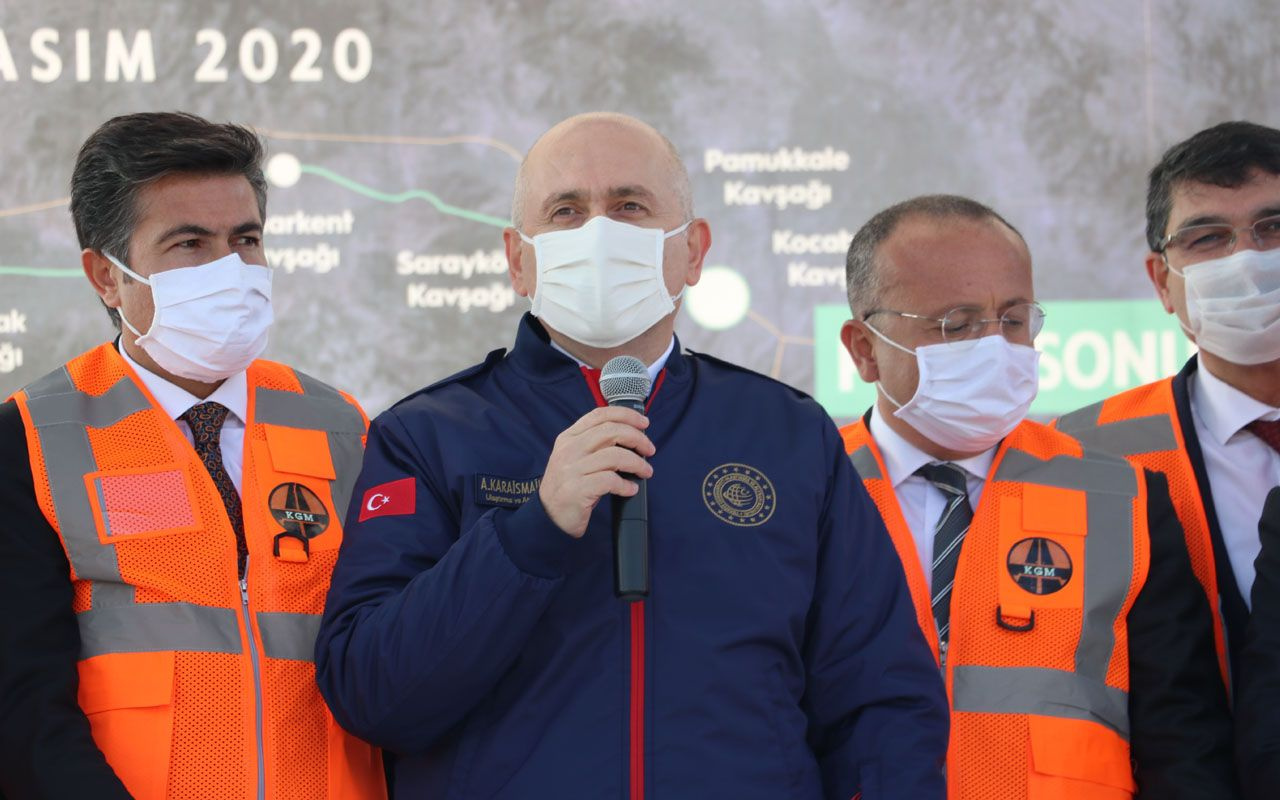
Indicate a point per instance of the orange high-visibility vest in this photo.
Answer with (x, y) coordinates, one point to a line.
(195, 684)
(1038, 662)
(1142, 425)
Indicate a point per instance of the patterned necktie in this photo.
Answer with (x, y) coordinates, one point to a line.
(1268, 432)
(947, 536)
(206, 421)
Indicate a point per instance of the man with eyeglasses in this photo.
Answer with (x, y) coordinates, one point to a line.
(1213, 225)
(1050, 580)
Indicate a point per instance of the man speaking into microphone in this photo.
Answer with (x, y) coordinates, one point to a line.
(481, 624)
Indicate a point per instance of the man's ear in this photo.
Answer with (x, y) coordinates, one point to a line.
(857, 341)
(1158, 272)
(98, 270)
(698, 237)
(522, 273)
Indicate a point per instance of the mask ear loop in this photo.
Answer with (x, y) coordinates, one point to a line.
(136, 277)
(892, 343)
(1164, 256)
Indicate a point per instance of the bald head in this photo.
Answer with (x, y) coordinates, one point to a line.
(601, 129)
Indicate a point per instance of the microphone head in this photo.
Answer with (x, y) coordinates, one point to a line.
(624, 379)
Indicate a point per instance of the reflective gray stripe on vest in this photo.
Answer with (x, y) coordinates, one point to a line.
(322, 408)
(1034, 690)
(321, 411)
(1095, 472)
(864, 463)
(60, 413)
(1126, 437)
(154, 627)
(1110, 485)
(291, 636)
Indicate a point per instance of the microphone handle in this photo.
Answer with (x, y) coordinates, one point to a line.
(631, 544)
(631, 536)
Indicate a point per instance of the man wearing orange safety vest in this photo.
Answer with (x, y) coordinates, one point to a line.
(1049, 578)
(1213, 228)
(171, 506)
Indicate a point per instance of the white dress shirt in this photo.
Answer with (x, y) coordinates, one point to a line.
(654, 368)
(921, 502)
(233, 393)
(1241, 467)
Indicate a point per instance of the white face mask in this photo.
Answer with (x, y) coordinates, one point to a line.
(971, 394)
(601, 284)
(1233, 305)
(210, 321)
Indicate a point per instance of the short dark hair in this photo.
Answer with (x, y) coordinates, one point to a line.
(1223, 155)
(862, 279)
(130, 152)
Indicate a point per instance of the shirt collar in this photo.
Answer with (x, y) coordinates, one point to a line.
(232, 393)
(1222, 408)
(902, 458)
(654, 368)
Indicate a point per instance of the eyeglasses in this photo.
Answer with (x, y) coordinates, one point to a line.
(1019, 324)
(1211, 241)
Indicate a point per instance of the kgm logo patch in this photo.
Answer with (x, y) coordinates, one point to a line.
(298, 510)
(739, 495)
(1039, 566)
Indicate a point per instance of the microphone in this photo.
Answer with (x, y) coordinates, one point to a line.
(624, 381)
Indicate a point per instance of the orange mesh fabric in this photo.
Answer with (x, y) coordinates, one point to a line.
(213, 753)
(995, 752)
(297, 729)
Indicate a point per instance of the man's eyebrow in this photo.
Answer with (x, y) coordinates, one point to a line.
(187, 229)
(247, 227)
(1217, 219)
(618, 192)
(570, 196)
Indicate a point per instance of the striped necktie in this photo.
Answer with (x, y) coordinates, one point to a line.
(206, 421)
(947, 536)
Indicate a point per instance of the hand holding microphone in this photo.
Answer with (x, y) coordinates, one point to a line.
(587, 460)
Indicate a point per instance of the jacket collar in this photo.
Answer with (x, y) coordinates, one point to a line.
(535, 358)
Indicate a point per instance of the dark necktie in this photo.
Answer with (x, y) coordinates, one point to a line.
(1268, 432)
(206, 421)
(947, 536)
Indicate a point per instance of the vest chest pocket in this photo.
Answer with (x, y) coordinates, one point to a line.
(293, 490)
(1042, 545)
(128, 699)
(141, 503)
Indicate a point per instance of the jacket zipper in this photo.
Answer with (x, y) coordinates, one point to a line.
(637, 701)
(257, 680)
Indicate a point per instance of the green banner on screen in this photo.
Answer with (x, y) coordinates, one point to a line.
(1090, 349)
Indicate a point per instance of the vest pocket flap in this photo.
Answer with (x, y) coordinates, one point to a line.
(126, 680)
(1080, 750)
(1051, 509)
(300, 451)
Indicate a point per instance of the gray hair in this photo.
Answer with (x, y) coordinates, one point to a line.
(131, 152)
(679, 173)
(863, 280)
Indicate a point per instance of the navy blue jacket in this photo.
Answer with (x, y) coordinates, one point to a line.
(777, 656)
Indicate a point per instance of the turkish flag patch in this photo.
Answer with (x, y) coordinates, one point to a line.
(389, 500)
